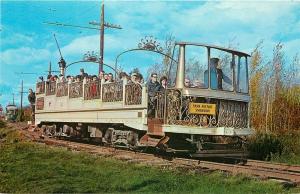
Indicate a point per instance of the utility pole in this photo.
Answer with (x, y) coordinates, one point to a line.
(101, 39)
(100, 26)
(21, 106)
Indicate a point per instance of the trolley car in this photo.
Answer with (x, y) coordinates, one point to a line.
(208, 118)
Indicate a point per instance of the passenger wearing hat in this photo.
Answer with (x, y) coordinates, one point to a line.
(216, 75)
(133, 78)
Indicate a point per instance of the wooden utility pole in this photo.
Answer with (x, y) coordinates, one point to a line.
(101, 39)
(21, 105)
(100, 26)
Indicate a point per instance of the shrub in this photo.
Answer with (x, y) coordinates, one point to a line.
(266, 146)
(263, 145)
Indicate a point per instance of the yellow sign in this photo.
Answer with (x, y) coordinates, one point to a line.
(202, 108)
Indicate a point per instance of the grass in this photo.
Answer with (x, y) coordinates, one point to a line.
(35, 168)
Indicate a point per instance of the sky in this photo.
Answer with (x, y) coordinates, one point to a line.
(27, 45)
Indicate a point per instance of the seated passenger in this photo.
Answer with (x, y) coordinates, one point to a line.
(105, 76)
(123, 76)
(101, 75)
(77, 78)
(139, 78)
(82, 74)
(133, 78)
(216, 75)
(187, 82)
(110, 78)
(94, 78)
(55, 78)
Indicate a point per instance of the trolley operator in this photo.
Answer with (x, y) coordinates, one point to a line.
(216, 75)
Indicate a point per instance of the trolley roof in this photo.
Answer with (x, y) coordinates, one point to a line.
(215, 47)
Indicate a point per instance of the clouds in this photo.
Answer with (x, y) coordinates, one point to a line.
(23, 56)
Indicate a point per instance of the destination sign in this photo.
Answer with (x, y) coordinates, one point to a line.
(202, 108)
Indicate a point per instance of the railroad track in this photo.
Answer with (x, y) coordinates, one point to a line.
(283, 173)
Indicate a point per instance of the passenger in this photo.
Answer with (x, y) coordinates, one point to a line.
(78, 78)
(31, 99)
(139, 78)
(61, 78)
(133, 78)
(49, 78)
(216, 75)
(110, 78)
(153, 87)
(94, 78)
(69, 79)
(101, 75)
(123, 76)
(105, 77)
(55, 78)
(187, 82)
(82, 74)
(163, 83)
(41, 79)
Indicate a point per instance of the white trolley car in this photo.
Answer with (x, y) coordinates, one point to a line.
(207, 119)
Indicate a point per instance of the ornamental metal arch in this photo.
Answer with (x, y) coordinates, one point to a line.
(86, 61)
(148, 44)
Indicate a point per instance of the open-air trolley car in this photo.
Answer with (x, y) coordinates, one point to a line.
(208, 118)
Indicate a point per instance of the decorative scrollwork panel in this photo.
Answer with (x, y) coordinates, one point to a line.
(112, 92)
(76, 90)
(62, 89)
(173, 110)
(133, 94)
(40, 88)
(233, 114)
(92, 90)
(51, 88)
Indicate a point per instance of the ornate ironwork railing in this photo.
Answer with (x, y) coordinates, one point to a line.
(112, 92)
(76, 90)
(40, 103)
(233, 114)
(160, 105)
(40, 88)
(51, 88)
(133, 94)
(173, 106)
(92, 90)
(62, 89)
(228, 113)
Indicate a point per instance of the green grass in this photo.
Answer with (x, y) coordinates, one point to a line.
(34, 168)
(292, 159)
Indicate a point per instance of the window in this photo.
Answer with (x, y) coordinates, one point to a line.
(242, 77)
(195, 66)
(173, 68)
